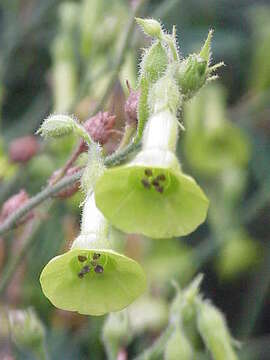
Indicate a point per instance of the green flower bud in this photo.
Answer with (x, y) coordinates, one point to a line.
(27, 331)
(192, 75)
(57, 125)
(151, 27)
(214, 332)
(134, 196)
(154, 62)
(178, 346)
(92, 278)
(195, 71)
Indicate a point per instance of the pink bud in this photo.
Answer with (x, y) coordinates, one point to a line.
(13, 204)
(100, 126)
(131, 106)
(23, 149)
(70, 190)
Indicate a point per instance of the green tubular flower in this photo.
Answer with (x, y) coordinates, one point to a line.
(91, 278)
(212, 143)
(151, 195)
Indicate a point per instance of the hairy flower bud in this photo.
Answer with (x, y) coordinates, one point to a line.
(57, 125)
(99, 126)
(13, 204)
(23, 149)
(214, 332)
(195, 70)
(70, 190)
(131, 106)
(151, 27)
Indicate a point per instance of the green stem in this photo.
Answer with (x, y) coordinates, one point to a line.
(80, 131)
(129, 132)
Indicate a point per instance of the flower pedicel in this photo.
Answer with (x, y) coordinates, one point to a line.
(91, 278)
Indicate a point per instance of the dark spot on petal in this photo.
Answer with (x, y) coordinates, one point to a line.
(148, 172)
(99, 269)
(161, 177)
(82, 258)
(84, 270)
(159, 189)
(146, 183)
(96, 256)
(155, 182)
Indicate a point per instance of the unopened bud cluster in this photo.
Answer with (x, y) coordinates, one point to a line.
(99, 126)
(189, 308)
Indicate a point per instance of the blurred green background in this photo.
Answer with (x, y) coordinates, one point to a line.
(58, 56)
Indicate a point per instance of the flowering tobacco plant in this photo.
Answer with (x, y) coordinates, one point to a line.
(149, 194)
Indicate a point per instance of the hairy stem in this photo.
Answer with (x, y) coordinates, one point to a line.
(50, 191)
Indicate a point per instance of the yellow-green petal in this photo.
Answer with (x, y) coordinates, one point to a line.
(120, 283)
(132, 203)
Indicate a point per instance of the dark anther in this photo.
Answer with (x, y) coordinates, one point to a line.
(99, 269)
(85, 270)
(161, 177)
(155, 182)
(82, 258)
(96, 256)
(159, 189)
(148, 172)
(146, 183)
